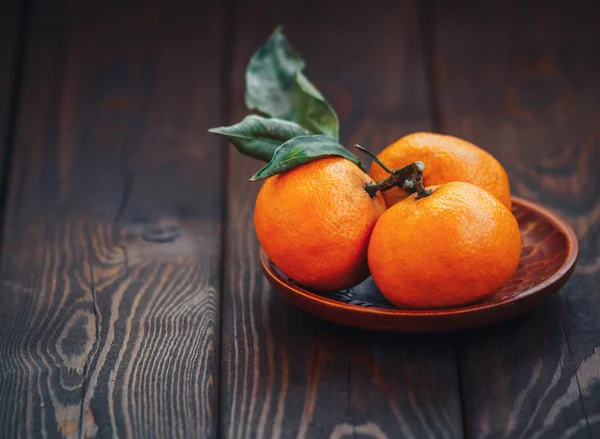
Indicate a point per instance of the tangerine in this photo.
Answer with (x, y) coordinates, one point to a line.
(315, 221)
(454, 247)
(448, 159)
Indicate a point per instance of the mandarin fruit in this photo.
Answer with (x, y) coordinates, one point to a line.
(448, 159)
(455, 247)
(315, 221)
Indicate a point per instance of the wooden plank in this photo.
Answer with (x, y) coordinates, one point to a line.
(9, 34)
(284, 372)
(521, 80)
(110, 277)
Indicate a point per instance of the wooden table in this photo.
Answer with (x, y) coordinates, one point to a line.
(132, 301)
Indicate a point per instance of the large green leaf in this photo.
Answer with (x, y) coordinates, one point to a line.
(301, 150)
(312, 110)
(258, 136)
(276, 86)
(270, 74)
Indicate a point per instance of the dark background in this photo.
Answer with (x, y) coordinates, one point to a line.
(131, 296)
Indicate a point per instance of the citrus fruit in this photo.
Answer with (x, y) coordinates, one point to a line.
(454, 247)
(448, 159)
(315, 221)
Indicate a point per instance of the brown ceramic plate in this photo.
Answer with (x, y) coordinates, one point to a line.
(547, 261)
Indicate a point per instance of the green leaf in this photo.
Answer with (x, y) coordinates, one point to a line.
(301, 150)
(258, 136)
(312, 110)
(270, 74)
(276, 86)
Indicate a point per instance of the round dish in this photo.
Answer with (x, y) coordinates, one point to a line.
(547, 261)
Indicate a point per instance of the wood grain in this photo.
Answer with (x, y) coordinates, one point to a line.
(520, 80)
(109, 285)
(284, 372)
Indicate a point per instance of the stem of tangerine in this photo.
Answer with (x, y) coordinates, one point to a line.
(409, 178)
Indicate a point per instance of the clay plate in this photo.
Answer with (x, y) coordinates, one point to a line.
(547, 261)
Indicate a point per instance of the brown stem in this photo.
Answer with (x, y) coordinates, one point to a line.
(420, 187)
(409, 178)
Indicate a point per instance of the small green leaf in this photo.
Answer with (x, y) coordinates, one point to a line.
(259, 137)
(301, 150)
(276, 86)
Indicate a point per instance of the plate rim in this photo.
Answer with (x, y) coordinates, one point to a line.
(567, 266)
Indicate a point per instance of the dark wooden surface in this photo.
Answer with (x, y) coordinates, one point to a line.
(131, 298)
(109, 299)
(527, 90)
(11, 53)
(320, 378)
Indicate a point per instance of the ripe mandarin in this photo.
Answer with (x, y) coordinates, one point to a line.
(454, 247)
(448, 159)
(315, 221)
